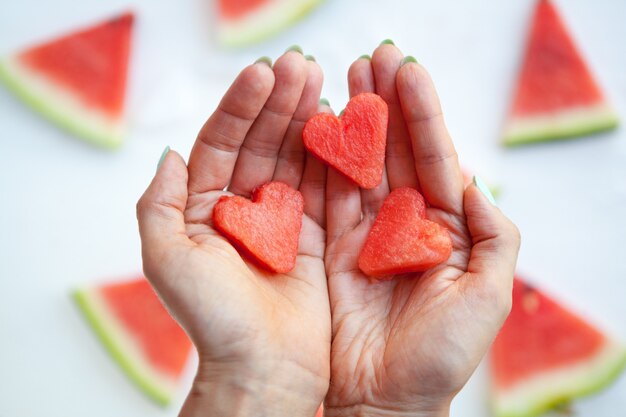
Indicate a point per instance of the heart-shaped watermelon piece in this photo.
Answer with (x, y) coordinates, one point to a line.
(353, 143)
(266, 228)
(402, 239)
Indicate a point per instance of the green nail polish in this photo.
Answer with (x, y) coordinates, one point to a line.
(484, 189)
(295, 48)
(366, 56)
(408, 59)
(310, 58)
(387, 42)
(342, 112)
(265, 60)
(324, 102)
(162, 158)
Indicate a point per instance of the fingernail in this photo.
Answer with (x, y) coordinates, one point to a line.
(310, 58)
(483, 189)
(366, 56)
(294, 48)
(341, 112)
(324, 102)
(163, 155)
(408, 59)
(387, 42)
(265, 60)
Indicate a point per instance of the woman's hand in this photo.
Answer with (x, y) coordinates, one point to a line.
(263, 339)
(407, 345)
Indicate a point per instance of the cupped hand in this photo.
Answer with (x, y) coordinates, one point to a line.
(408, 344)
(263, 339)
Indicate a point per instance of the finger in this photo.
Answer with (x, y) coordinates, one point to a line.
(435, 158)
(386, 62)
(259, 152)
(160, 214)
(215, 152)
(495, 245)
(313, 185)
(291, 158)
(361, 77)
(361, 80)
(343, 205)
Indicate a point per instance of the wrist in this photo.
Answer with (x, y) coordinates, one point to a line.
(224, 389)
(364, 410)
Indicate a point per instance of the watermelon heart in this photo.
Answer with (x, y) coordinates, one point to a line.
(267, 228)
(402, 239)
(353, 143)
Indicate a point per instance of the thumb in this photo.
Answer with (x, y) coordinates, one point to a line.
(495, 245)
(160, 213)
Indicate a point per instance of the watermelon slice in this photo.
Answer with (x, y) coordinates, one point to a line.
(353, 143)
(266, 228)
(546, 355)
(557, 96)
(243, 22)
(401, 239)
(78, 80)
(139, 333)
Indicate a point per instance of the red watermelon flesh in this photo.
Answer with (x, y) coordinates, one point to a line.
(243, 22)
(266, 229)
(232, 9)
(98, 79)
(545, 355)
(402, 240)
(353, 143)
(139, 333)
(78, 80)
(556, 95)
(135, 304)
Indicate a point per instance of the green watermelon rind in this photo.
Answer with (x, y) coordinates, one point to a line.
(56, 112)
(609, 370)
(231, 36)
(568, 127)
(99, 322)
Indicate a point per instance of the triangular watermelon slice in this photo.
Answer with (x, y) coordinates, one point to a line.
(243, 22)
(545, 355)
(139, 334)
(78, 80)
(557, 96)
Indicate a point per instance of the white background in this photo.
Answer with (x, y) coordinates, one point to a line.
(67, 209)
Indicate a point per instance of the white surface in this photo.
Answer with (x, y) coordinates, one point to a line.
(67, 215)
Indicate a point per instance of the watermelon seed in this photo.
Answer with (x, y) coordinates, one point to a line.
(530, 302)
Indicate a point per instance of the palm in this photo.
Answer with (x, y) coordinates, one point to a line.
(383, 329)
(268, 309)
(413, 339)
(235, 312)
